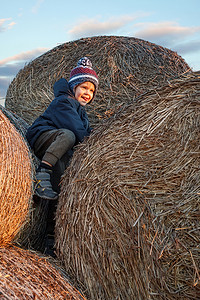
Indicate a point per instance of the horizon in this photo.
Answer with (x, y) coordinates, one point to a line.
(30, 29)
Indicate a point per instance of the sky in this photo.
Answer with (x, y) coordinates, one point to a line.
(30, 28)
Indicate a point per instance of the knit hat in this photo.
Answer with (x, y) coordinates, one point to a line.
(82, 73)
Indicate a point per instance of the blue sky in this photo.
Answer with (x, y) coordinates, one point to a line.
(30, 28)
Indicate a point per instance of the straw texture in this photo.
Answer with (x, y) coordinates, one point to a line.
(127, 223)
(126, 66)
(20, 125)
(15, 181)
(32, 233)
(26, 275)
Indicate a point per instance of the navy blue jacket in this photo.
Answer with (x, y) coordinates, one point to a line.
(63, 112)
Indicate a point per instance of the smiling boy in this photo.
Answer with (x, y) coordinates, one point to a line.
(84, 92)
(63, 125)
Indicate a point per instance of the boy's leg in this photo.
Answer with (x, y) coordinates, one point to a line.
(50, 147)
(58, 170)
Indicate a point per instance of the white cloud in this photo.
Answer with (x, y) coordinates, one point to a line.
(4, 83)
(164, 32)
(10, 66)
(20, 13)
(10, 25)
(4, 25)
(94, 27)
(37, 5)
(23, 56)
(189, 47)
(2, 21)
(10, 69)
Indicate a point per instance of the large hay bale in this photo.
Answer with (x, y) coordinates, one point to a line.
(18, 122)
(25, 275)
(127, 222)
(15, 181)
(33, 229)
(127, 67)
(33, 234)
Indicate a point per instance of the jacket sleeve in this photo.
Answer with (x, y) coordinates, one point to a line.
(66, 116)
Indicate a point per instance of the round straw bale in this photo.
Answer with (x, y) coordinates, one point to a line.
(32, 232)
(18, 122)
(15, 181)
(127, 67)
(127, 222)
(26, 275)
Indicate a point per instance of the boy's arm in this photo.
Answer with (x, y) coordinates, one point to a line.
(66, 116)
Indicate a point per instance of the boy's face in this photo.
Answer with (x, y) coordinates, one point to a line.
(84, 92)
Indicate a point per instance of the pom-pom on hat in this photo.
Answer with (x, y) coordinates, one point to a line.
(83, 72)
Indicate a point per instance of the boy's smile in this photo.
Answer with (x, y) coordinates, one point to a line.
(84, 92)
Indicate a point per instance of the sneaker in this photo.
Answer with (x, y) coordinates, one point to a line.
(43, 187)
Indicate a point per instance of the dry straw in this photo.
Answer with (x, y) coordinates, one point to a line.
(15, 181)
(127, 67)
(20, 125)
(25, 275)
(127, 223)
(17, 176)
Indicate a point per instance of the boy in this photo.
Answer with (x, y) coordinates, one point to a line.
(64, 124)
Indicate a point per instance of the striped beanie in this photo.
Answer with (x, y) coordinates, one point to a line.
(82, 73)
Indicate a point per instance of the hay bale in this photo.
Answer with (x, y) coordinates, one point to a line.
(25, 275)
(127, 67)
(15, 181)
(127, 222)
(32, 231)
(33, 234)
(18, 122)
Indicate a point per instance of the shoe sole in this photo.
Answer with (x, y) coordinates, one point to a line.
(46, 198)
